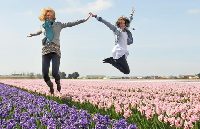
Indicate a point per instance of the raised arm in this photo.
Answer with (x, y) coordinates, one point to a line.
(131, 15)
(70, 24)
(108, 24)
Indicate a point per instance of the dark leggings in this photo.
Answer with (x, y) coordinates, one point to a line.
(121, 64)
(46, 59)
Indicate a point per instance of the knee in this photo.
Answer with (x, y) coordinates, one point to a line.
(45, 75)
(54, 74)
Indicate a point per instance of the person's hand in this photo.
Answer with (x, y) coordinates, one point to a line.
(88, 17)
(30, 35)
(93, 15)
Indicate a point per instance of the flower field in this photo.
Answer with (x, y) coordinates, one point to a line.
(20, 109)
(148, 104)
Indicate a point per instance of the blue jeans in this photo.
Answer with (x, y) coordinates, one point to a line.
(46, 59)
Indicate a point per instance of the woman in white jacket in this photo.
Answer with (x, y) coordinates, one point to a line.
(123, 38)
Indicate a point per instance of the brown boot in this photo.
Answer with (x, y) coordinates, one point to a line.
(50, 84)
(58, 85)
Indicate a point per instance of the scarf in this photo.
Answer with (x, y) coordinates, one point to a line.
(49, 34)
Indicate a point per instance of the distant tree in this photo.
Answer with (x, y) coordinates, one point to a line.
(39, 76)
(31, 75)
(198, 75)
(69, 76)
(62, 75)
(74, 75)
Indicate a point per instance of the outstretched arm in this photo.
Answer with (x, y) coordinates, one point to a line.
(70, 24)
(35, 34)
(108, 24)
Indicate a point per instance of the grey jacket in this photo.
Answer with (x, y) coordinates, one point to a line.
(116, 30)
(57, 27)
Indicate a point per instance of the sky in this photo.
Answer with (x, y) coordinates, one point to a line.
(166, 36)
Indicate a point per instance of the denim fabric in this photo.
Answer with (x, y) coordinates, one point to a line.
(121, 64)
(46, 59)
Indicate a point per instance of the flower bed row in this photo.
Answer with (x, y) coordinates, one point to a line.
(20, 109)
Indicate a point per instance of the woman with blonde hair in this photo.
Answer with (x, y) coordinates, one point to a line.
(51, 44)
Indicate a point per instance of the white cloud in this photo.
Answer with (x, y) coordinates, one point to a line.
(75, 6)
(193, 11)
(99, 5)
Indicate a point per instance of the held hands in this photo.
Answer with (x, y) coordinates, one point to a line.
(88, 17)
(90, 14)
(93, 15)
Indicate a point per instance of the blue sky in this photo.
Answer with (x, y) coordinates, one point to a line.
(166, 36)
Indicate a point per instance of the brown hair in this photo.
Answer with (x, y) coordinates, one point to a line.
(44, 11)
(127, 21)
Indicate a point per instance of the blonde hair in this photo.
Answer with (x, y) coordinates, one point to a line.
(127, 21)
(44, 11)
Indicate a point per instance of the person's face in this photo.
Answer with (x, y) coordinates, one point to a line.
(122, 24)
(49, 16)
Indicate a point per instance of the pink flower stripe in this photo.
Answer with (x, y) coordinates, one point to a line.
(176, 102)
